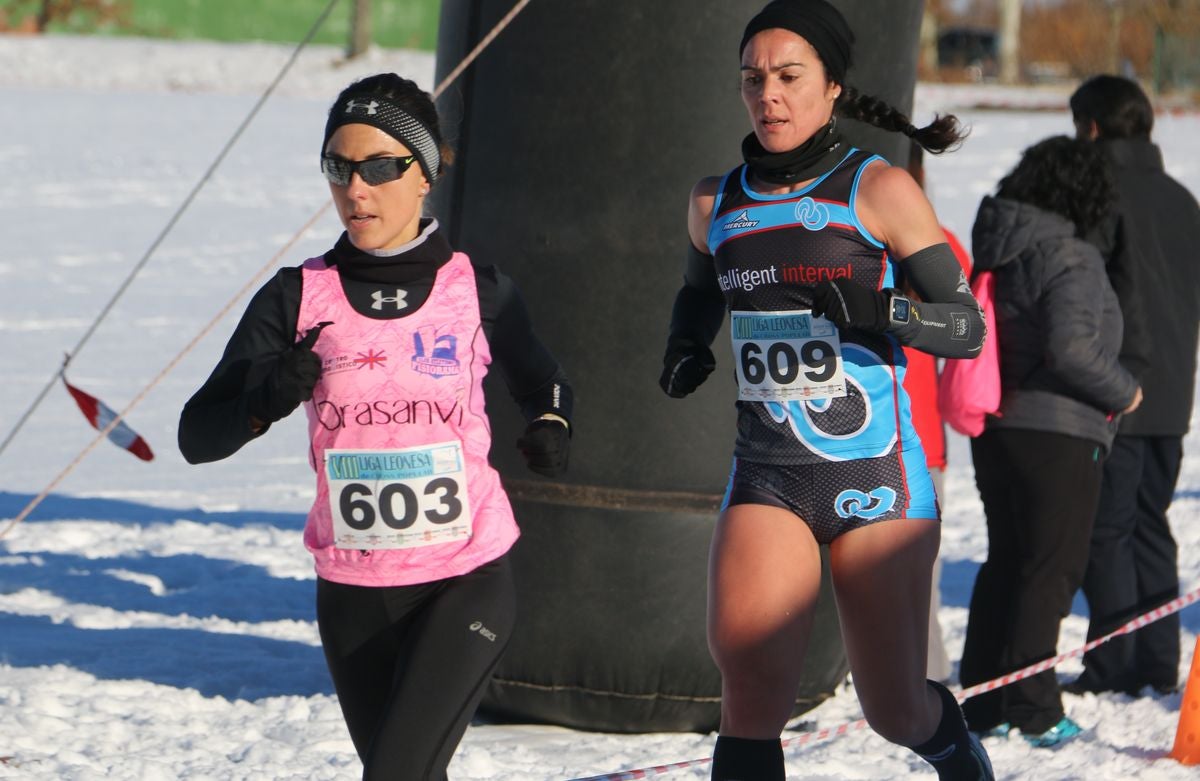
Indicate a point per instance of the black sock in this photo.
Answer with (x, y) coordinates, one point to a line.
(950, 750)
(746, 759)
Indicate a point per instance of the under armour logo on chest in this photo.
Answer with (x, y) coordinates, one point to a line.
(369, 106)
(398, 299)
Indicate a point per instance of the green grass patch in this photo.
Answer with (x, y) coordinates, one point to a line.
(407, 24)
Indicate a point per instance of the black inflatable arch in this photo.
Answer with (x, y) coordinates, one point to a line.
(579, 134)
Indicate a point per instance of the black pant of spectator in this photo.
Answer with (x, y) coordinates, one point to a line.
(1132, 568)
(1039, 492)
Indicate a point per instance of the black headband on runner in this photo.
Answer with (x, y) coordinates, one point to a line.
(379, 112)
(817, 22)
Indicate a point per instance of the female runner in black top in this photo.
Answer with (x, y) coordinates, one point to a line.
(807, 246)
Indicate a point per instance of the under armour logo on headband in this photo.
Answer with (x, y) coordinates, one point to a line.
(382, 112)
(370, 106)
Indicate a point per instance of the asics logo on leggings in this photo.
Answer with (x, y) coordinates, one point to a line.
(477, 626)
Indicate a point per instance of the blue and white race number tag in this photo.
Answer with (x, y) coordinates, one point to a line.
(390, 499)
(785, 356)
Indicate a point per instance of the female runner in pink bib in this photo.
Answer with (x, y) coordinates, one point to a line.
(385, 340)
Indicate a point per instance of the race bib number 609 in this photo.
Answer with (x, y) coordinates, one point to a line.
(389, 499)
(785, 356)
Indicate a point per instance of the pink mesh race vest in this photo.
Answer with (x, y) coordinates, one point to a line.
(400, 438)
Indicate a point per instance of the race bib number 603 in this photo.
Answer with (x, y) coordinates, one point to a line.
(389, 499)
(785, 356)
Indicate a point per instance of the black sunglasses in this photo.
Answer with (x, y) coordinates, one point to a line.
(376, 171)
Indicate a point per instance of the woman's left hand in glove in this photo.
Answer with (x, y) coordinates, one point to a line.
(852, 305)
(546, 444)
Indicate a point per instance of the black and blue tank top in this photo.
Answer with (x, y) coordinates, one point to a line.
(769, 252)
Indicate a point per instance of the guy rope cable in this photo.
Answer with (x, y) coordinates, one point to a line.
(102, 435)
(187, 202)
(1149, 617)
(446, 82)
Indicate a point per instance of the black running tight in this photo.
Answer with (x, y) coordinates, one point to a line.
(410, 664)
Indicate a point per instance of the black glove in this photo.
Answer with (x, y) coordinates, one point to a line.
(683, 372)
(290, 382)
(851, 305)
(545, 445)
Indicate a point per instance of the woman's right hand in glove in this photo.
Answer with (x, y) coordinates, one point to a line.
(289, 383)
(686, 370)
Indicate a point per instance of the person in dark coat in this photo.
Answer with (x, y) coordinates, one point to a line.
(1150, 248)
(1038, 463)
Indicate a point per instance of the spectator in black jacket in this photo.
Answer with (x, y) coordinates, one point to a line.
(1038, 463)
(1150, 247)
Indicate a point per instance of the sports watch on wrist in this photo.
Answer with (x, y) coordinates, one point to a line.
(899, 310)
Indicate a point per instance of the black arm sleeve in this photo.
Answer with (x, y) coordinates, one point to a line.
(947, 321)
(534, 378)
(699, 306)
(215, 422)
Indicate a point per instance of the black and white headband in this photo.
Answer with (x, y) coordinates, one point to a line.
(381, 113)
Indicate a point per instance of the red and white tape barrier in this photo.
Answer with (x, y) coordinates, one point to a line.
(1162, 611)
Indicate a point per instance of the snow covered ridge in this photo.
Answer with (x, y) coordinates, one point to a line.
(156, 619)
(86, 62)
(135, 64)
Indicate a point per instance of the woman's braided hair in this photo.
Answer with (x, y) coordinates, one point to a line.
(943, 134)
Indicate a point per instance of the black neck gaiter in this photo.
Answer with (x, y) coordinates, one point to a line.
(814, 157)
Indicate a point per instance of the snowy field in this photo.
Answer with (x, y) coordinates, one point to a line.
(156, 620)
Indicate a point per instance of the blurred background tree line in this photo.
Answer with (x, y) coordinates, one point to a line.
(393, 24)
(1011, 41)
(1024, 41)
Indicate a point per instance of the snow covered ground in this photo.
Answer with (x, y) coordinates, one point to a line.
(156, 619)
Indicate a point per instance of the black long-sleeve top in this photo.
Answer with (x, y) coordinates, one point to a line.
(1150, 251)
(215, 422)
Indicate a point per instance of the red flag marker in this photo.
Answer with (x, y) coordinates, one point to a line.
(100, 415)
